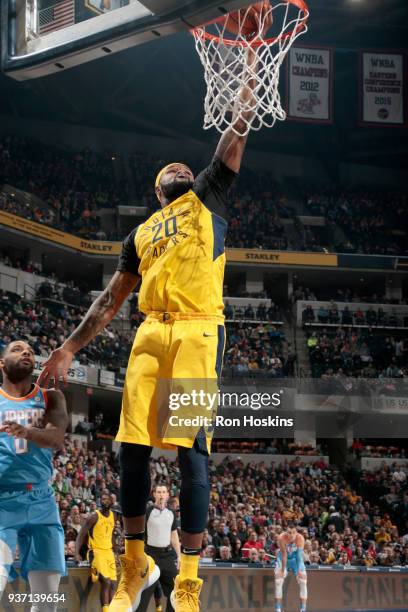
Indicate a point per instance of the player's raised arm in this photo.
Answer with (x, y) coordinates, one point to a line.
(231, 146)
(55, 424)
(98, 316)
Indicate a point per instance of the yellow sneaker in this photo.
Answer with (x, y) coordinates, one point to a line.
(184, 597)
(134, 580)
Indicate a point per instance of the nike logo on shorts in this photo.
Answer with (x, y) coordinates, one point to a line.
(208, 335)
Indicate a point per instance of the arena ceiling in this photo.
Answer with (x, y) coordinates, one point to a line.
(158, 89)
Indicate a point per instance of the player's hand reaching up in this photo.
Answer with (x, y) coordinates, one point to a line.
(56, 368)
(263, 15)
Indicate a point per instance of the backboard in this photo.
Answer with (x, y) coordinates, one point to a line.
(40, 37)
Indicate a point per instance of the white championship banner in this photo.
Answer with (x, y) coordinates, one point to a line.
(383, 88)
(309, 84)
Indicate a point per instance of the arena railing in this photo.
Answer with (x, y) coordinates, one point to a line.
(399, 310)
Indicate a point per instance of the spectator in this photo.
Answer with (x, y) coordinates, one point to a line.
(254, 556)
(308, 315)
(225, 554)
(323, 314)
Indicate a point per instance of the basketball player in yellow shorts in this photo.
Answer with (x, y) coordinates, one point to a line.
(99, 528)
(178, 254)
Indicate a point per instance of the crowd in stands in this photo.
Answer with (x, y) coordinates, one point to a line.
(371, 448)
(275, 446)
(359, 353)
(25, 266)
(374, 222)
(71, 186)
(258, 350)
(354, 342)
(369, 317)
(45, 322)
(262, 312)
(256, 345)
(314, 238)
(341, 295)
(256, 210)
(361, 525)
(48, 319)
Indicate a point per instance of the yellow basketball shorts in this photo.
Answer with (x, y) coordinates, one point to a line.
(168, 347)
(103, 564)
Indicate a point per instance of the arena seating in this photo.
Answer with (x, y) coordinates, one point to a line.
(253, 349)
(365, 343)
(250, 502)
(353, 337)
(360, 518)
(87, 184)
(72, 187)
(373, 221)
(324, 293)
(257, 349)
(46, 321)
(368, 448)
(268, 447)
(361, 316)
(358, 353)
(252, 310)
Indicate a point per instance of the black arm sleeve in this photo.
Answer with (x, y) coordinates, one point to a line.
(147, 516)
(174, 523)
(212, 185)
(128, 259)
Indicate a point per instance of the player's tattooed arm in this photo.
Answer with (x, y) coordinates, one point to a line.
(98, 316)
(102, 310)
(83, 532)
(51, 435)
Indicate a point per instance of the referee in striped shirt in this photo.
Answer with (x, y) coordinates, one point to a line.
(162, 543)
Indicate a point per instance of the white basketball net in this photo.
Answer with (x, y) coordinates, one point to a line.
(228, 72)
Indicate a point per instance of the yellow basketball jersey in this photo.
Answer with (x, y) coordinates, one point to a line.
(182, 258)
(100, 535)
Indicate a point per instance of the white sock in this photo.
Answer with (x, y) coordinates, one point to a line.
(3, 581)
(44, 582)
(6, 558)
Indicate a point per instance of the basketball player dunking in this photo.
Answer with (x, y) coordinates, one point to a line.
(179, 255)
(32, 423)
(290, 559)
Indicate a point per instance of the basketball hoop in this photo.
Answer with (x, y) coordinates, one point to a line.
(223, 54)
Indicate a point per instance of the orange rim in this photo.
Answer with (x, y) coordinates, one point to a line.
(300, 4)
